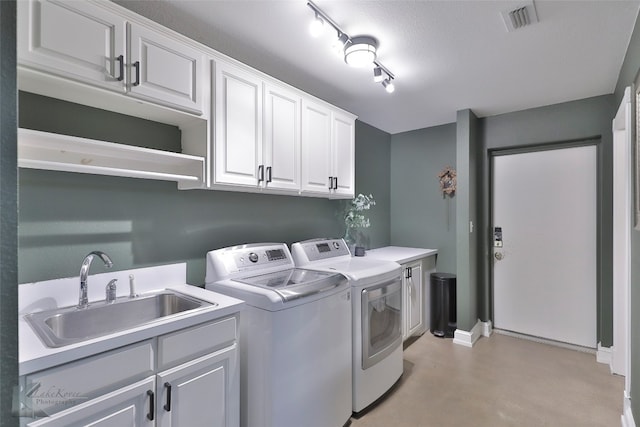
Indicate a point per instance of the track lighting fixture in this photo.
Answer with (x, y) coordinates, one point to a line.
(377, 74)
(359, 51)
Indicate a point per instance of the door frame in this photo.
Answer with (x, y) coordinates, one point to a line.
(556, 145)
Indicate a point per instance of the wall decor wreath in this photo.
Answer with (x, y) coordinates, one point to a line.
(447, 179)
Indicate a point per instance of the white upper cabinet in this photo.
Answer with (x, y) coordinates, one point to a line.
(87, 42)
(252, 132)
(76, 40)
(282, 138)
(328, 151)
(316, 148)
(257, 131)
(165, 70)
(343, 155)
(238, 126)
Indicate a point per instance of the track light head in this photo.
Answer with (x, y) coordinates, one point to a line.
(340, 42)
(388, 85)
(317, 26)
(377, 74)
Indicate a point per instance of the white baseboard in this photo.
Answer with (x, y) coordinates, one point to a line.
(468, 339)
(605, 355)
(626, 419)
(487, 328)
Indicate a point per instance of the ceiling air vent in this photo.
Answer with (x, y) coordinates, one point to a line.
(525, 14)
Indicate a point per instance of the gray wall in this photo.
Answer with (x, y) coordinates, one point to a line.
(572, 121)
(629, 70)
(373, 169)
(420, 215)
(9, 214)
(63, 216)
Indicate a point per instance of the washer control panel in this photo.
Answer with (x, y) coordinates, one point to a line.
(258, 257)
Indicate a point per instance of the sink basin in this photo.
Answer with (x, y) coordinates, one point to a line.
(64, 326)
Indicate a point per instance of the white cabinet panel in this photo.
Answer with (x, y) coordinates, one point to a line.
(328, 151)
(282, 138)
(196, 393)
(77, 40)
(316, 147)
(126, 407)
(165, 70)
(414, 300)
(344, 154)
(238, 116)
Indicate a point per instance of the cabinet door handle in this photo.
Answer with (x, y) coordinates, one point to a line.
(152, 405)
(120, 59)
(335, 182)
(260, 173)
(330, 183)
(136, 65)
(167, 406)
(410, 272)
(268, 173)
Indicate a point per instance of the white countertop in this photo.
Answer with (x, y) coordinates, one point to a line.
(35, 356)
(400, 254)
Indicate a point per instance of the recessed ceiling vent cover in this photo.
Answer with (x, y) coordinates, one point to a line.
(523, 15)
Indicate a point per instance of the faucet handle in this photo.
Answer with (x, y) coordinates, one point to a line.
(110, 291)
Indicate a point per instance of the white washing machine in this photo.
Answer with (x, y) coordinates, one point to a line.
(295, 342)
(376, 309)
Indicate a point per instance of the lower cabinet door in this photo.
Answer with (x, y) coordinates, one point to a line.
(414, 301)
(126, 407)
(203, 392)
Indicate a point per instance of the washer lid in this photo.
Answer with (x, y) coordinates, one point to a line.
(295, 283)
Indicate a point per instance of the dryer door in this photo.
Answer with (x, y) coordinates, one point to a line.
(381, 321)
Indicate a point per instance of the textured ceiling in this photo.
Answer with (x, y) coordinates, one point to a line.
(446, 55)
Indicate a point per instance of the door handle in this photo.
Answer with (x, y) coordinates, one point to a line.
(498, 256)
(260, 173)
(268, 174)
(120, 59)
(167, 406)
(152, 406)
(136, 65)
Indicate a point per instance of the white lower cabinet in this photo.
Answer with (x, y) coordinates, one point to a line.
(123, 388)
(412, 283)
(198, 393)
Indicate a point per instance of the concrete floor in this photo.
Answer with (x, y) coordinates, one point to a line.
(501, 381)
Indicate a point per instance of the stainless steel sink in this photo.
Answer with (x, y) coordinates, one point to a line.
(64, 326)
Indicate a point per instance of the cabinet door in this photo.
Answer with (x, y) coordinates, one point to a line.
(415, 316)
(203, 392)
(165, 70)
(316, 148)
(238, 133)
(282, 138)
(125, 407)
(74, 39)
(343, 155)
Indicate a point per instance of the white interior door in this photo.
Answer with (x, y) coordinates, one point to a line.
(544, 276)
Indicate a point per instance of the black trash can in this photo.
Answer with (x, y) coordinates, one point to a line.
(443, 304)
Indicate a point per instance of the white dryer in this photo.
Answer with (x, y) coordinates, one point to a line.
(376, 309)
(295, 342)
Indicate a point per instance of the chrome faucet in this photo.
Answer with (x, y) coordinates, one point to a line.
(84, 275)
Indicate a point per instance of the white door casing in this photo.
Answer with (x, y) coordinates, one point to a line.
(544, 285)
(622, 167)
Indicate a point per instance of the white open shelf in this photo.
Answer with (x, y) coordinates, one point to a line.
(44, 150)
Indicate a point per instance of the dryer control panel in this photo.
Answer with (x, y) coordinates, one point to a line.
(318, 249)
